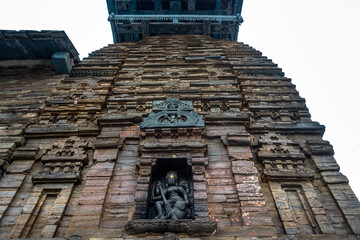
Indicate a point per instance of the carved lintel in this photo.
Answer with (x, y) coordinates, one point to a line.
(172, 147)
(57, 177)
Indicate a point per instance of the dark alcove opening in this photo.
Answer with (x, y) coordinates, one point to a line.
(158, 174)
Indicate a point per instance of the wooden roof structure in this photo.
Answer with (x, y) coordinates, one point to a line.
(132, 20)
(34, 45)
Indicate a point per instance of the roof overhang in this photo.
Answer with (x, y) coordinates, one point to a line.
(34, 45)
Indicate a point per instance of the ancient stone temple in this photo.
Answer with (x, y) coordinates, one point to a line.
(175, 131)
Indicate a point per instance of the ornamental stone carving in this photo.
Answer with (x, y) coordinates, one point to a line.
(63, 162)
(172, 113)
(282, 158)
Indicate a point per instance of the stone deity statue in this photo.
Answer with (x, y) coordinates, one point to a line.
(171, 202)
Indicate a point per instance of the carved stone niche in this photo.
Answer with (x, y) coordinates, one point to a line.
(191, 214)
(179, 172)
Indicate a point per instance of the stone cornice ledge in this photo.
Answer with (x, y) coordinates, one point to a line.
(199, 227)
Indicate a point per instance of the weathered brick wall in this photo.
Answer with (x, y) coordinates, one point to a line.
(259, 166)
(23, 90)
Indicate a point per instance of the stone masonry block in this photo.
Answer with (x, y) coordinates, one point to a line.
(91, 198)
(332, 177)
(217, 165)
(48, 231)
(141, 196)
(218, 173)
(199, 186)
(354, 222)
(246, 179)
(200, 195)
(89, 210)
(243, 167)
(216, 198)
(85, 221)
(20, 166)
(248, 188)
(324, 224)
(221, 182)
(230, 189)
(291, 227)
(106, 154)
(257, 219)
(238, 153)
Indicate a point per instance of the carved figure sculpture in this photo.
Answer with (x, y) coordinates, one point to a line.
(173, 201)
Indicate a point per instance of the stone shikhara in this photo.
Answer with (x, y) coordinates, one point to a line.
(89, 155)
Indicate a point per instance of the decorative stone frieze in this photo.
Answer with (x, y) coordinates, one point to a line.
(281, 158)
(63, 162)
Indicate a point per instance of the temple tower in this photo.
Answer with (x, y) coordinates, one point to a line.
(175, 131)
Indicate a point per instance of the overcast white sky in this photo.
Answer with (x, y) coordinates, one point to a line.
(315, 42)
